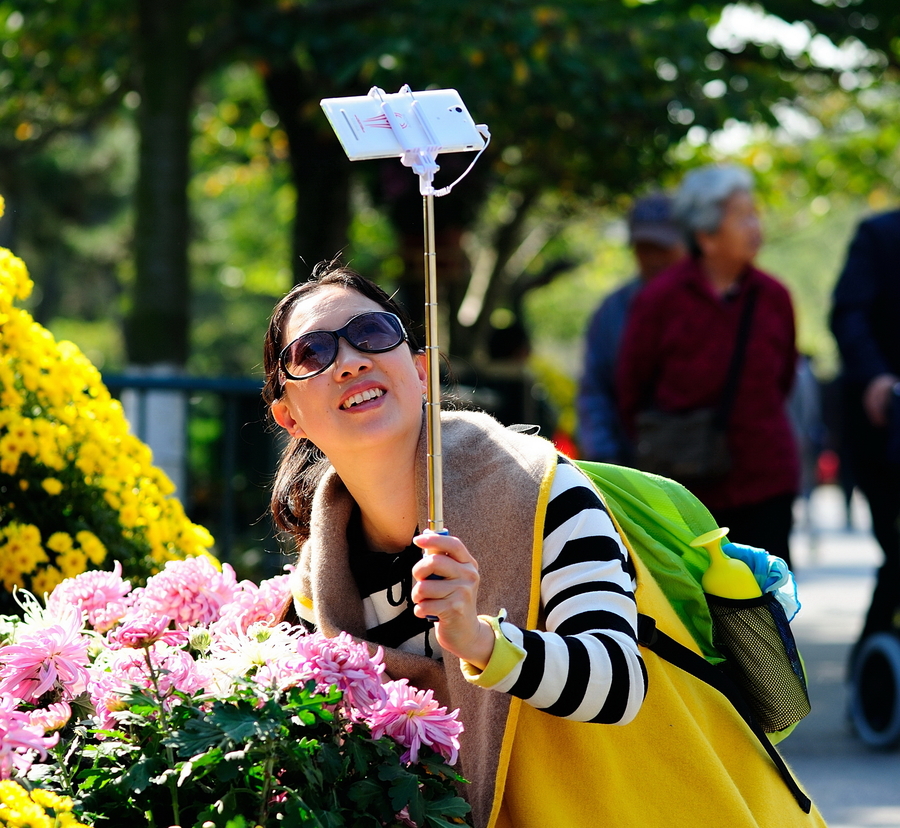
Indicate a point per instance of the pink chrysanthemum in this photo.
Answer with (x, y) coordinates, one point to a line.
(18, 737)
(414, 718)
(51, 718)
(190, 592)
(100, 595)
(41, 660)
(252, 603)
(128, 668)
(346, 664)
(138, 633)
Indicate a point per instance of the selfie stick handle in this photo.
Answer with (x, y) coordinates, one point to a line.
(433, 387)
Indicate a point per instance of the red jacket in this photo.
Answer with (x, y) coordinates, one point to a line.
(675, 354)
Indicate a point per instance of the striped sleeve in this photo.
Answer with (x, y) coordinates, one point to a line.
(585, 665)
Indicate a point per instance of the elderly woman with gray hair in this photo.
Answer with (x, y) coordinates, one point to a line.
(715, 335)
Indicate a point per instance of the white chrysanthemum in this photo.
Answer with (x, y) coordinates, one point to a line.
(243, 654)
(36, 617)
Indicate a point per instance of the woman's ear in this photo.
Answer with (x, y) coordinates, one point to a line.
(282, 415)
(421, 367)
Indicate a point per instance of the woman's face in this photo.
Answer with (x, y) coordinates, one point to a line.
(327, 409)
(739, 236)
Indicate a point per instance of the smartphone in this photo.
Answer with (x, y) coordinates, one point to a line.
(434, 117)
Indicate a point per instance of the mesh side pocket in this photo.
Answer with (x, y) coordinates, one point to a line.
(761, 657)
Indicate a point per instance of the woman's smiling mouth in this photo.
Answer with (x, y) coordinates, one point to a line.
(362, 397)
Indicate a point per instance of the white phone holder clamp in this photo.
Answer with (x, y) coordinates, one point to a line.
(422, 160)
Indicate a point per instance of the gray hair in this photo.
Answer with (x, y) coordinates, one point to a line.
(700, 200)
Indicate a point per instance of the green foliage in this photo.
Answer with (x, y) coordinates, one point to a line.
(242, 760)
(64, 62)
(589, 103)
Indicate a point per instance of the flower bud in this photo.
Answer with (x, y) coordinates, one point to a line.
(199, 640)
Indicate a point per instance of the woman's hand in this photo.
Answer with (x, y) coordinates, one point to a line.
(451, 599)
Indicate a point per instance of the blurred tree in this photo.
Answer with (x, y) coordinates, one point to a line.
(584, 100)
(62, 76)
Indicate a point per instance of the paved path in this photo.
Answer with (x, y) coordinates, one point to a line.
(853, 786)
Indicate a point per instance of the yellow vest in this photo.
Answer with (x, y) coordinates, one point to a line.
(688, 759)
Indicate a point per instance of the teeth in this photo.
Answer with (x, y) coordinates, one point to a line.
(356, 399)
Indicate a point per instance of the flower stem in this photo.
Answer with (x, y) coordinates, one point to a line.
(266, 789)
(163, 722)
(173, 788)
(60, 754)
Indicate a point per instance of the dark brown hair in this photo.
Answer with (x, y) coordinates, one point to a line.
(302, 464)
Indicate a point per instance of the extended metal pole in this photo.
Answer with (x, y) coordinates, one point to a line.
(433, 386)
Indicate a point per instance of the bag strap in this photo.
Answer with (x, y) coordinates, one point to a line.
(729, 392)
(666, 647)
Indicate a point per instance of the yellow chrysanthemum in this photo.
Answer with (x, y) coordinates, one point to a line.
(10, 574)
(45, 580)
(92, 546)
(60, 542)
(58, 421)
(20, 808)
(51, 485)
(72, 563)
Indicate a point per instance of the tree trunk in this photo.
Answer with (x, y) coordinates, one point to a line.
(157, 328)
(319, 169)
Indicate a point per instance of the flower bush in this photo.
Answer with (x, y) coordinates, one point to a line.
(77, 491)
(222, 718)
(21, 808)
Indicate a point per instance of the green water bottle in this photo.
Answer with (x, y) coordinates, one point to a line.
(726, 577)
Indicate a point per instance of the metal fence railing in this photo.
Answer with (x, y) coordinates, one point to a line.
(210, 436)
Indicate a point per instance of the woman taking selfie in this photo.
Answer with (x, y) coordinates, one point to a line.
(535, 639)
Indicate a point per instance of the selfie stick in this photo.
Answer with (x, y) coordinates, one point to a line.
(422, 161)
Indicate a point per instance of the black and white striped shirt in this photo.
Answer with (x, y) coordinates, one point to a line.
(585, 664)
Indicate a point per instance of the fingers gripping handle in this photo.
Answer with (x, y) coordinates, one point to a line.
(444, 531)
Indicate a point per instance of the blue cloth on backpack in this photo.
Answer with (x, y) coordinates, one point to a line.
(771, 573)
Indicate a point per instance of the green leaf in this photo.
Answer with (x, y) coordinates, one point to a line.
(187, 769)
(447, 806)
(198, 736)
(203, 763)
(297, 813)
(355, 750)
(435, 765)
(306, 717)
(82, 707)
(404, 790)
(93, 778)
(138, 776)
(227, 771)
(439, 822)
(331, 761)
(367, 794)
(241, 722)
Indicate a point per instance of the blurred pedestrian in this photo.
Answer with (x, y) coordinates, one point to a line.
(805, 411)
(676, 361)
(657, 243)
(865, 320)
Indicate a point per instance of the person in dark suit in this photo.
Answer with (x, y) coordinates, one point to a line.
(865, 320)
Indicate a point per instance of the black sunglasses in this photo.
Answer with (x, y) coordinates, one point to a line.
(313, 352)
